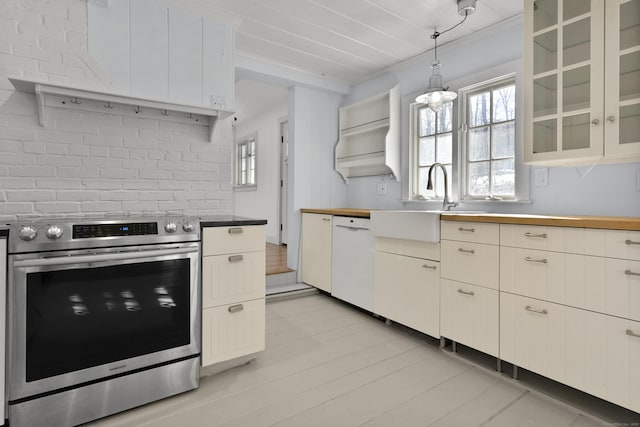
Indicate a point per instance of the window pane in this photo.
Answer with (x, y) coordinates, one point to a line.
(444, 148)
(504, 104)
(479, 109)
(422, 183)
(478, 174)
(252, 148)
(439, 183)
(504, 138)
(444, 118)
(503, 176)
(478, 144)
(243, 150)
(427, 151)
(427, 122)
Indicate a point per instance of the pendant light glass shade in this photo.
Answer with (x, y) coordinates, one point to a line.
(436, 94)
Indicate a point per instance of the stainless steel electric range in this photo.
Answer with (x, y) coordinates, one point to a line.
(103, 315)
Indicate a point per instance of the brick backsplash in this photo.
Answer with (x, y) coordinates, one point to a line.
(88, 162)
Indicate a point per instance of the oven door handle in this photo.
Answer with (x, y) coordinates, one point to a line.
(108, 256)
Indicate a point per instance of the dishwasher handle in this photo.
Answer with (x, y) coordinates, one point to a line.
(351, 227)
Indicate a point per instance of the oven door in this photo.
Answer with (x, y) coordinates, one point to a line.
(82, 316)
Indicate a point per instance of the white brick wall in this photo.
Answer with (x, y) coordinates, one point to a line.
(86, 161)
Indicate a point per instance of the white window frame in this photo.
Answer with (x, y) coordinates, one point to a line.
(463, 136)
(238, 157)
(522, 170)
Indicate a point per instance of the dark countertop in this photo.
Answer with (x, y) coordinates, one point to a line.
(4, 231)
(229, 221)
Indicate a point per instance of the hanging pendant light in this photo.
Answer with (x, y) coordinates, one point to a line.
(436, 94)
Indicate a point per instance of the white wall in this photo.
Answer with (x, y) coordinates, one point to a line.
(263, 202)
(85, 161)
(601, 190)
(313, 183)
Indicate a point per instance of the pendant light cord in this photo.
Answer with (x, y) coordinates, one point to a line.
(437, 34)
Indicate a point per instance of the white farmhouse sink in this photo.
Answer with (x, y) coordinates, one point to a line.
(410, 225)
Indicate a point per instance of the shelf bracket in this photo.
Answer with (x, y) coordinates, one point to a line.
(40, 104)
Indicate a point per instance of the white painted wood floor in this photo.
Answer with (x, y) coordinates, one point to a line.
(328, 364)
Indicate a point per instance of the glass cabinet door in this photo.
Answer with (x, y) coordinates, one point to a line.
(622, 58)
(565, 43)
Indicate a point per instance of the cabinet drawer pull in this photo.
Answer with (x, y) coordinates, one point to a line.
(432, 267)
(235, 230)
(471, 293)
(542, 236)
(533, 310)
(470, 230)
(631, 273)
(541, 260)
(236, 258)
(632, 334)
(326, 219)
(235, 308)
(631, 242)
(466, 251)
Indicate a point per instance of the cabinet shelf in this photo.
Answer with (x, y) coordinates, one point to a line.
(369, 143)
(56, 96)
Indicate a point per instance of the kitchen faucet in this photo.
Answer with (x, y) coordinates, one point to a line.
(446, 204)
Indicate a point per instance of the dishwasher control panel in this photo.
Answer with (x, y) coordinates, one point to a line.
(351, 222)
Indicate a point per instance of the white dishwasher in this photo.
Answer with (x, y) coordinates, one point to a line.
(352, 261)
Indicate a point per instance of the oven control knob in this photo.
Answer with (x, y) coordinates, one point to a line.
(54, 232)
(170, 227)
(187, 227)
(27, 232)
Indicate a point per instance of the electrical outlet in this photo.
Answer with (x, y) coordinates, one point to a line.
(382, 188)
(541, 177)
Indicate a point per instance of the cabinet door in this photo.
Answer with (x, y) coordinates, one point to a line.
(232, 331)
(622, 86)
(230, 278)
(469, 315)
(564, 91)
(230, 240)
(316, 250)
(589, 351)
(406, 290)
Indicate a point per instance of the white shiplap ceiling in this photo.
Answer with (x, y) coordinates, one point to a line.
(344, 40)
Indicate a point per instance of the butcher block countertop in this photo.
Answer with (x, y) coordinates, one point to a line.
(578, 221)
(361, 213)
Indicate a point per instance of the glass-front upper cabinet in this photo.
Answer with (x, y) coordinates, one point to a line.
(563, 61)
(582, 66)
(622, 72)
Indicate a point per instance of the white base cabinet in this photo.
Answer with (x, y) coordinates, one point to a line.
(317, 232)
(589, 351)
(233, 292)
(569, 307)
(407, 289)
(469, 315)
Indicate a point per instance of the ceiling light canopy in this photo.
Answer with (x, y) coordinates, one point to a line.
(436, 94)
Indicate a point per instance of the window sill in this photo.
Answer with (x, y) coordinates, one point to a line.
(241, 188)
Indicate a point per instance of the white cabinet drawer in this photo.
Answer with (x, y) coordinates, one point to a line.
(469, 315)
(229, 240)
(232, 331)
(589, 351)
(606, 243)
(557, 239)
(407, 291)
(613, 243)
(232, 277)
(605, 285)
(412, 248)
(477, 232)
(471, 263)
